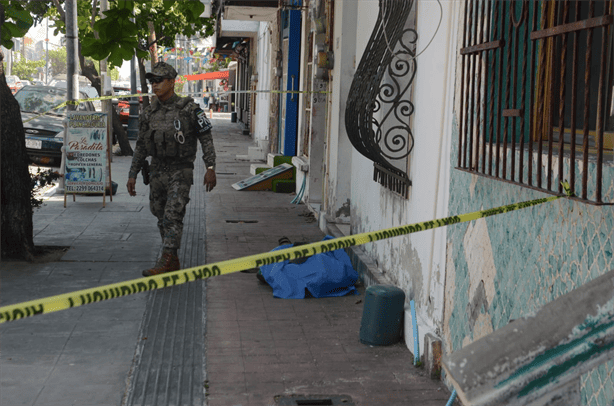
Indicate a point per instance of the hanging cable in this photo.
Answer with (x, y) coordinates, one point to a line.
(427, 45)
(299, 196)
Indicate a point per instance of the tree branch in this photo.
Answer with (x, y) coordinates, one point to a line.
(155, 42)
(60, 10)
(94, 18)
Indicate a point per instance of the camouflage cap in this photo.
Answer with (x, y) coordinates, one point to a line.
(163, 70)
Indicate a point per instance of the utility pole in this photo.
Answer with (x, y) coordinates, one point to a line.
(133, 114)
(189, 62)
(9, 61)
(106, 90)
(47, 53)
(72, 79)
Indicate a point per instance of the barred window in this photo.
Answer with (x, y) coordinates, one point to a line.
(379, 107)
(536, 104)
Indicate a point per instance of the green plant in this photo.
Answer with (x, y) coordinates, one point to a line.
(216, 63)
(40, 180)
(57, 61)
(27, 69)
(17, 22)
(114, 74)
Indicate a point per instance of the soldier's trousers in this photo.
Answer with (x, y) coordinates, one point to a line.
(169, 193)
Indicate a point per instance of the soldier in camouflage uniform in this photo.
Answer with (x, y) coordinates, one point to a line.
(168, 132)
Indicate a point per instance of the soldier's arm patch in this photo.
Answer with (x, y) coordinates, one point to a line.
(203, 122)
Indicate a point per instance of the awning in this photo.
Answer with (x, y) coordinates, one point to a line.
(208, 76)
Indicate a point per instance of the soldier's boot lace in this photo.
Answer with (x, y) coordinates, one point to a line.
(168, 262)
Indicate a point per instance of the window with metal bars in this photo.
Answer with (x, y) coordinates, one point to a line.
(379, 107)
(536, 95)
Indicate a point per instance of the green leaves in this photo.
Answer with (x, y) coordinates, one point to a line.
(57, 60)
(90, 46)
(118, 37)
(122, 32)
(18, 22)
(193, 9)
(27, 69)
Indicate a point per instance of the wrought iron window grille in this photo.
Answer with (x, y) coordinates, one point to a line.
(378, 112)
(535, 94)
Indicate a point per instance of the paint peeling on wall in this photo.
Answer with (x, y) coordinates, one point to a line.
(524, 260)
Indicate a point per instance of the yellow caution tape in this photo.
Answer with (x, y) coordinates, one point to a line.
(76, 102)
(128, 96)
(114, 290)
(262, 91)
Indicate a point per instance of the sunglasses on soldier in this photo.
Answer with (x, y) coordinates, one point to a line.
(156, 79)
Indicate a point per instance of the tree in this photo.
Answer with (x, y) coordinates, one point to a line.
(156, 23)
(16, 230)
(57, 61)
(116, 37)
(125, 30)
(15, 23)
(85, 11)
(27, 69)
(114, 73)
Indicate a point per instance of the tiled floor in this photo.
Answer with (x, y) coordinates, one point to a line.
(259, 346)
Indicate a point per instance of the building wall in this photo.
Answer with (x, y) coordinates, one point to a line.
(508, 266)
(263, 99)
(414, 263)
(276, 57)
(254, 58)
(312, 111)
(338, 175)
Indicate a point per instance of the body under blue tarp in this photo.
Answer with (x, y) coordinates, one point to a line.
(323, 275)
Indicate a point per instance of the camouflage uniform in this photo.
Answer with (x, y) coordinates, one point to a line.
(172, 163)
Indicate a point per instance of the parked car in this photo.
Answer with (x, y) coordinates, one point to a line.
(86, 88)
(92, 93)
(26, 83)
(38, 83)
(45, 133)
(14, 83)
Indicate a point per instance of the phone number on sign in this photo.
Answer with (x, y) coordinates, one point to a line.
(84, 188)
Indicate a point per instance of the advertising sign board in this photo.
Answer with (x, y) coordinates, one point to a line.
(86, 152)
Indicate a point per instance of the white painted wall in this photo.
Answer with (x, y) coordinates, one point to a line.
(415, 263)
(339, 157)
(263, 99)
(239, 28)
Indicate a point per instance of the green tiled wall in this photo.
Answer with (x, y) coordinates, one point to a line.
(540, 253)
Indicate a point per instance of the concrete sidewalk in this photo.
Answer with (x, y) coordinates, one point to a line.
(79, 356)
(223, 341)
(262, 350)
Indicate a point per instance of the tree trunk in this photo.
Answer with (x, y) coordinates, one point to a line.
(144, 87)
(153, 53)
(124, 144)
(153, 48)
(16, 234)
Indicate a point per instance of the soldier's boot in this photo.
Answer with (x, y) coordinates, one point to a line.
(168, 262)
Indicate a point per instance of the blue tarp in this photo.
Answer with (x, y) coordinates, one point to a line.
(323, 275)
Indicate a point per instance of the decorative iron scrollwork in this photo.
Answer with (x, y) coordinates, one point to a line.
(378, 110)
